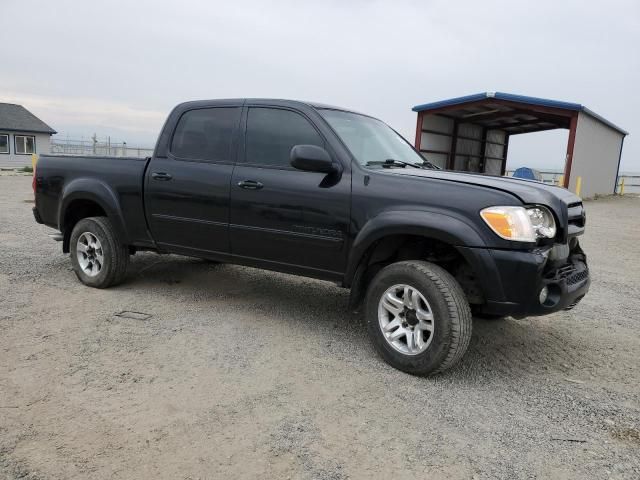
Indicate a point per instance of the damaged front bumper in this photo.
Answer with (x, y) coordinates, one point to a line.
(540, 281)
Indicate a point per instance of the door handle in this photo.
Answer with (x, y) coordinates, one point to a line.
(250, 185)
(162, 176)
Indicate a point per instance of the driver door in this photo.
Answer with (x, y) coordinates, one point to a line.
(285, 217)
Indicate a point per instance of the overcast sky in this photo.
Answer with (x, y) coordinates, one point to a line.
(117, 67)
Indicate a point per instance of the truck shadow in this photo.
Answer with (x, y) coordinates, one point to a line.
(298, 298)
(505, 347)
(511, 348)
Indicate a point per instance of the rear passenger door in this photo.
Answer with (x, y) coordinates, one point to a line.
(281, 217)
(187, 192)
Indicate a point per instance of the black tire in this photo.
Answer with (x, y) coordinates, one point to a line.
(452, 319)
(115, 255)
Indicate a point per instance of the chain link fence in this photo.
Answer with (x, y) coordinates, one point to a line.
(97, 147)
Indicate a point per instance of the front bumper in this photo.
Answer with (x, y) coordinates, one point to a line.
(524, 274)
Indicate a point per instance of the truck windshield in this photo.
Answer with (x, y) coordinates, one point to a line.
(372, 142)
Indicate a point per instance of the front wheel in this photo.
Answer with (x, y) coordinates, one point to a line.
(98, 258)
(418, 317)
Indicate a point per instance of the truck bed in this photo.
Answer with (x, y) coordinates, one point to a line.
(121, 178)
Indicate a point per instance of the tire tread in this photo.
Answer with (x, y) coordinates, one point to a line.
(459, 312)
(120, 252)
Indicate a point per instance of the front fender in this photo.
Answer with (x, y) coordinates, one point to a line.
(98, 192)
(438, 226)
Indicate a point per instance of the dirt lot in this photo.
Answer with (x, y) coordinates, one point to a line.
(241, 373)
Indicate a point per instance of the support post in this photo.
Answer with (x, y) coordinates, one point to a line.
(483, 150)
(419, 130)
(570, 143)
(505, 150)
(454, 143)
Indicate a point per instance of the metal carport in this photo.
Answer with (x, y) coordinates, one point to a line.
(472, 133)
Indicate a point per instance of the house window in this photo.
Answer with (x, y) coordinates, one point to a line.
(25, 144)
(4, 143)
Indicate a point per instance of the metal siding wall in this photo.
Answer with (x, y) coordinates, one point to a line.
(433, 141)
(437, 123)
(468, 151)
(493, 166)
(595, 157)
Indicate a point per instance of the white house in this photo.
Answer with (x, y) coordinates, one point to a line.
(21, 135)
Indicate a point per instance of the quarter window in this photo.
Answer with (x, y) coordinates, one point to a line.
(272, 133)
(206, 134)
(4, 143)
(25, 144)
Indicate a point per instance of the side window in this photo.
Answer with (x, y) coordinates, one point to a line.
(4, 143)
(272, 133)
(206, 134)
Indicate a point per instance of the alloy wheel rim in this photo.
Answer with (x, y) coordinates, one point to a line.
(406, 319)
(90, 254)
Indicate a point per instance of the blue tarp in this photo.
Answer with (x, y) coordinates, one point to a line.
(528, 173)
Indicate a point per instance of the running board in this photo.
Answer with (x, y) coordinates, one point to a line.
(55, 236)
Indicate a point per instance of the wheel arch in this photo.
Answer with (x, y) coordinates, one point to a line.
(84, 198)
(432, 225)
(394, 236)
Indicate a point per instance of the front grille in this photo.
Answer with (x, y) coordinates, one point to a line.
(576, 218)
(564, 271)
(578, 277)
(569, 273)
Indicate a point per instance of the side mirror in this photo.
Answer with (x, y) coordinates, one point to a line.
(312, 158)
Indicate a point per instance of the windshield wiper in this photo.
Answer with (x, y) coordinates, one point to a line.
(390, 162)
(431, 166)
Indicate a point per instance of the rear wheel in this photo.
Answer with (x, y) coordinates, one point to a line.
(99, 259)
(418, 317)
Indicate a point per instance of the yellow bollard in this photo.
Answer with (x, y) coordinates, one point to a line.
(561, 181)
(578, 186)
(34, 160)
(622, 187)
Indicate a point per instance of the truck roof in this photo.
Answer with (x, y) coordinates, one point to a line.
(270, 101)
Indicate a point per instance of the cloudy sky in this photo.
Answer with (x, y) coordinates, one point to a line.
(117, 67)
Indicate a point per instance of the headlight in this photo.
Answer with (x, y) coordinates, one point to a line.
(520, 224)
(542, 222)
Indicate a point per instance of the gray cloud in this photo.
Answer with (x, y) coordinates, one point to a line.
(117, 67)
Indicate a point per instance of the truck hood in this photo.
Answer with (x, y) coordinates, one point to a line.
(567, 206)
(528, 191)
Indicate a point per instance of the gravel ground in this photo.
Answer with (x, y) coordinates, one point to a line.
(242, 373)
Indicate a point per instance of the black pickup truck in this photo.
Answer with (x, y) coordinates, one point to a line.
(328, 193)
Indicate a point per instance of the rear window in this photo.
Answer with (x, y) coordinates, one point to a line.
(206, 134)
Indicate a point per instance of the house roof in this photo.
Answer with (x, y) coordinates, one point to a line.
(493, 104)
(16, 118)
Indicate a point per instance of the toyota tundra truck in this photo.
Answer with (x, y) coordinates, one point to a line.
(332, 194)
